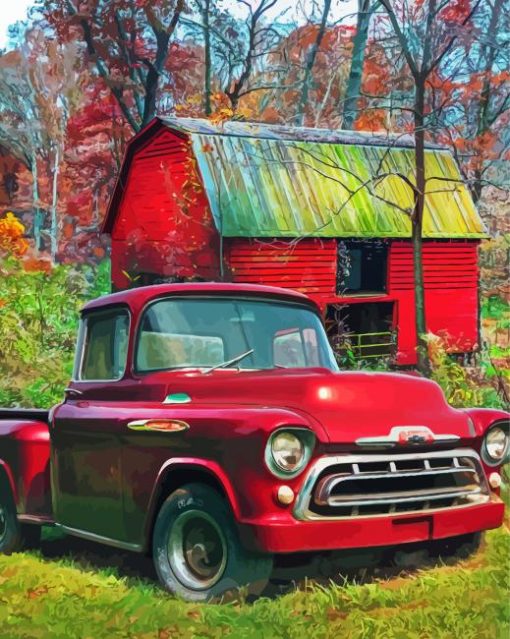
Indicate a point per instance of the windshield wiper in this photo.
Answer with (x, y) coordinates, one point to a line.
(229, 362)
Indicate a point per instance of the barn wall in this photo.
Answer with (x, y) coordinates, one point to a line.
(163, 225)
(307, 265)
(451, 294)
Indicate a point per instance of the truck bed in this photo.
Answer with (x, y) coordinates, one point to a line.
(38, 414)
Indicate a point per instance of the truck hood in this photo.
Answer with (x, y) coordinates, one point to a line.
(348, 405)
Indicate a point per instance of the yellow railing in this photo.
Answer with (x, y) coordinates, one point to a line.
(384, 341)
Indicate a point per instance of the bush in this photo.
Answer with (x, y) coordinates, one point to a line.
(469, 385)
(39, 310)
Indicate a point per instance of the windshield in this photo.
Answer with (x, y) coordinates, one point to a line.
(208, 333)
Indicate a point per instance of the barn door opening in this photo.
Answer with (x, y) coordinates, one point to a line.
(362, 331)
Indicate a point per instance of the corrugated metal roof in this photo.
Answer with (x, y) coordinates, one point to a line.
(259, 130)
(274, 181)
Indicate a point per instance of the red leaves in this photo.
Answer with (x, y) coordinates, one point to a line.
(456, 11)
(375, 73)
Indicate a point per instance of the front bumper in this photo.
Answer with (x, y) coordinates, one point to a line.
(287, 535)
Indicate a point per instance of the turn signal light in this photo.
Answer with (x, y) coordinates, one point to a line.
(494, 480)
(285, 495)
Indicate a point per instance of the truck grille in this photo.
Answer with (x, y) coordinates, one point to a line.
(368, 485)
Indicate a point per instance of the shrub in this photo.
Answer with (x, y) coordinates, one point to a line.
(468, 385)
(39, 310)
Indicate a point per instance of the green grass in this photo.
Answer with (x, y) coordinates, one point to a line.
(66, 598)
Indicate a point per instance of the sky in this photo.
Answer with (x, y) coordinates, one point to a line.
(13, 10)
(10, 12)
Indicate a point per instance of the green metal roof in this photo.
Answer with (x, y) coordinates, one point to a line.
(265, 181)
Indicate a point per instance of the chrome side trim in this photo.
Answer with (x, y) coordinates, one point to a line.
(301, 509)
(42, 520)
(84, 534)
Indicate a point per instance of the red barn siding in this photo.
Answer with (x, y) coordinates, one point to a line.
(164, 225)
(451, 294)
(307, 265)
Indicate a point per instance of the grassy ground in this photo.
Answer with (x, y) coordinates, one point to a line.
(48, 595)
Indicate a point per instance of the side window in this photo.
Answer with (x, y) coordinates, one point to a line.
(105, 343)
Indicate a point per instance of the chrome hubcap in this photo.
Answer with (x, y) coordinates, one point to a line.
(197, 550)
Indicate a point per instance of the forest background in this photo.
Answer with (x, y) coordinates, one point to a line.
(78, 78)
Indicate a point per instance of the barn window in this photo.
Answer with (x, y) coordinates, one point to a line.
(361, 267)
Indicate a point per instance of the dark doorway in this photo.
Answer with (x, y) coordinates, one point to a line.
(361, 331)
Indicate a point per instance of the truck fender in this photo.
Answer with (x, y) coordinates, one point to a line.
(482, 418)
(190, 464)
(6, 470)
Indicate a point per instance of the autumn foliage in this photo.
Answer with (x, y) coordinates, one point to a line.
(85, 76)
(12, 240)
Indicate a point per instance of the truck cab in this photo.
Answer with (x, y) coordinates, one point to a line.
(209, 425)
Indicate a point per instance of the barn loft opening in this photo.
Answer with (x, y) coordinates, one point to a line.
(361, 331)
(362, 267)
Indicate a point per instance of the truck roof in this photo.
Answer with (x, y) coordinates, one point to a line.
(136, 298)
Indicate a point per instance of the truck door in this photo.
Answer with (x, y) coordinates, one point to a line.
(86, 430)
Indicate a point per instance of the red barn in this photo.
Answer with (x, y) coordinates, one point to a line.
(323, 212)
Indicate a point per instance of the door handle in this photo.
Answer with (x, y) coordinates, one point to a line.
(73, 391)
(158, 425)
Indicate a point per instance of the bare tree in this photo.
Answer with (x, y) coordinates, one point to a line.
(128, 42)
(425, 39)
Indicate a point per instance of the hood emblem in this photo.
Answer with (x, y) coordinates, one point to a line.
(405, 436)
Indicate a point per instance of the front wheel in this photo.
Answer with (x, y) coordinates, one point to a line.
(196, 549)
(461, 547)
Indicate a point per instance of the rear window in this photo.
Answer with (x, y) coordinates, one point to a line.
(104, 338)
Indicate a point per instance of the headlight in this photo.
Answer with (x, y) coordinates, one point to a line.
(288, 451)
(495, 446)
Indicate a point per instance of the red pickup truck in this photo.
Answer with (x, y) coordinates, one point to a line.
(209, 425)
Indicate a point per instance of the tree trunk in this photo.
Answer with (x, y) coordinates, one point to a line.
(350, 110)
(38, 214)
(484, 122)
(207, 61)
(151, 88)
(54, 201)
(310, 61)
(417, 225)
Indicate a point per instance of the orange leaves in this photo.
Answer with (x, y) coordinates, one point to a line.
(37, 265)
(12, 231)
(222, 115)
(371, 120)
(375, 73)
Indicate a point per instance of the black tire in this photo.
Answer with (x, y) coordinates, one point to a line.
(14, 536)
(196, 548)
(460, 547)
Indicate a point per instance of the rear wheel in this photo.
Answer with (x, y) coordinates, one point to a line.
(196, 549)
(14, 536)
